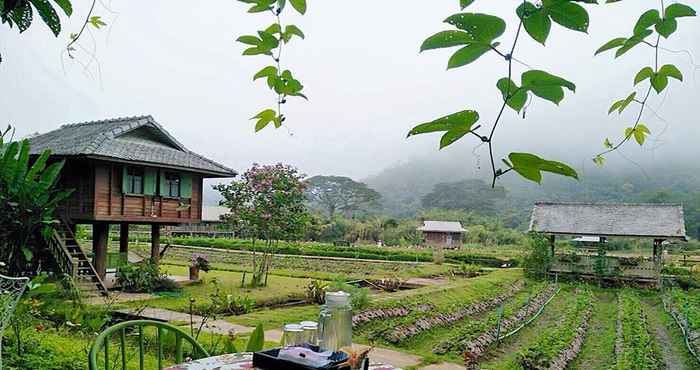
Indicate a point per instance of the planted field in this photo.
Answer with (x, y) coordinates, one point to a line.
(635, 348)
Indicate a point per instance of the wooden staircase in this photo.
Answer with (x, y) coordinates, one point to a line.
(72, 261)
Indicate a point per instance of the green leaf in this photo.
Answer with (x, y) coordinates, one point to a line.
(639, 133)
(671, 71)
(21, 15)
(292, 30)
(249, 40)
(646, 20)
(264, 118)
(568, 14)
(626, 102)
(299, 5)
(467, 54)
(481, 27)
(531, 166)
(678, 10)
(266, 72)
(659, 82)
(257, 337)
(666, 27)
(514, 96)
(599, 160)
(643, 74)
(48, 15)
(536, 21)
(607, 144)
(545, 85)
(66, 6)
(632, 42)
(269, 41)
(256, 51)
(96, 21)
(28, 254)
(281, 4)
(457, 120)
(612, 44)
(616, 106)
(274, 28)
(446, 39)
(465, 3)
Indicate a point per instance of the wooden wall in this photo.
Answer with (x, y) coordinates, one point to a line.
(99, 197)
(440, 238)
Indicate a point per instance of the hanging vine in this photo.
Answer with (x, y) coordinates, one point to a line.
(476, 35)
(664, 22)
(270, 42)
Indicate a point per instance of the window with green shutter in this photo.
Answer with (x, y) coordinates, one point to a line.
(186, 186)
(149, 181)
(133, 180)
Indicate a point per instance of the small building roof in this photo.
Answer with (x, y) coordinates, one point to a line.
(131, 139)
(442, 226)
(213, 213)
(658, 221)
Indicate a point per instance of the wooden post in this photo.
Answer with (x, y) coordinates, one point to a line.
(155, 243)
(552, 240)
(100, 238)
(124, 243)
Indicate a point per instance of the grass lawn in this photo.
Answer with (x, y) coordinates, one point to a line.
(279, 289)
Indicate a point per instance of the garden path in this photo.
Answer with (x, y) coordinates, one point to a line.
(673, 356)
(443, 366)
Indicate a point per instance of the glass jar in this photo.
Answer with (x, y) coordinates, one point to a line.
(310, 332)
(335, 321)
(293, 335)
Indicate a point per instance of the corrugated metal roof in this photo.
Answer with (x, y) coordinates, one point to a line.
(662, 221)
(442, 226)
(138, 139)
(213, 213)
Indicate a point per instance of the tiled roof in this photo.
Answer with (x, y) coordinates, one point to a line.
(139, 139)
(442, 226)
(662, 221)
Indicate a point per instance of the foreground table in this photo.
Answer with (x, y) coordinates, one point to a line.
(240, 362)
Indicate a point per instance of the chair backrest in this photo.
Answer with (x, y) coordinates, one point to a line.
(103, 341)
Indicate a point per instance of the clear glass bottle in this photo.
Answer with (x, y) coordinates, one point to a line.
(335, 321)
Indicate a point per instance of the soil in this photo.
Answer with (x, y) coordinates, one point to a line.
(673, 357)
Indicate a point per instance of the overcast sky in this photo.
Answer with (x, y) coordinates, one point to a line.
(366, 81)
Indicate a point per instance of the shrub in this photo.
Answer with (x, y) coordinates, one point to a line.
(201, 262)
(144, 277)
(316, 291)
(359, 297)
(227, 304)
(537, 261)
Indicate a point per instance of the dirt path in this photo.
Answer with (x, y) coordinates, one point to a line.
(674, 354)
(501, 357)
(598, 348)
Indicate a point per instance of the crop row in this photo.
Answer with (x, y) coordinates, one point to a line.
(685, 308)
(475, 348)
(638, 350)
(387, 313)
(467, 330)
(557, 346)
(355, 251)
(403, 332)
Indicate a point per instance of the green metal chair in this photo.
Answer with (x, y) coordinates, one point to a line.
(102, 344)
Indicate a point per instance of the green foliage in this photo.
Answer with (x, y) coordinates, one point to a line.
(536, 262)
(467, 195)
(144, 277)
(257, 339)
(538, 19)
(28, 200)
(316, 291)
(359, 297)
(531, 166)
(269, 42)
(455, 126)
(337, 193)
(20, 13)
(227, 304)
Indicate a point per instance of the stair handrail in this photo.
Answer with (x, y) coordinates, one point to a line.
(101, 285)
(60, 253)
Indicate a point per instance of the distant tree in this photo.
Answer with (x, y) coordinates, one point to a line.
(268, 204)
(337, 193)
(469, 195)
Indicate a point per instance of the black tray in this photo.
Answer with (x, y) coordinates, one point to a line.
(267, 360)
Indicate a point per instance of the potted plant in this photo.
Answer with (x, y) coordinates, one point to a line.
(199, 262)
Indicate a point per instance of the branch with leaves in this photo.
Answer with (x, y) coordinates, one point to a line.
(665, 23)
(476, 35)
(269, 42)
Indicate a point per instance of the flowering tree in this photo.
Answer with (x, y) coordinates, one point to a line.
(267, 203)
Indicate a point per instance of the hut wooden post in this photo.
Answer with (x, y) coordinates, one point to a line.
(124, 238)
(100, 240)
(552, 240)
(155, 243)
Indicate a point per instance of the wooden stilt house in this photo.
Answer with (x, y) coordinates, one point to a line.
(122, 171)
